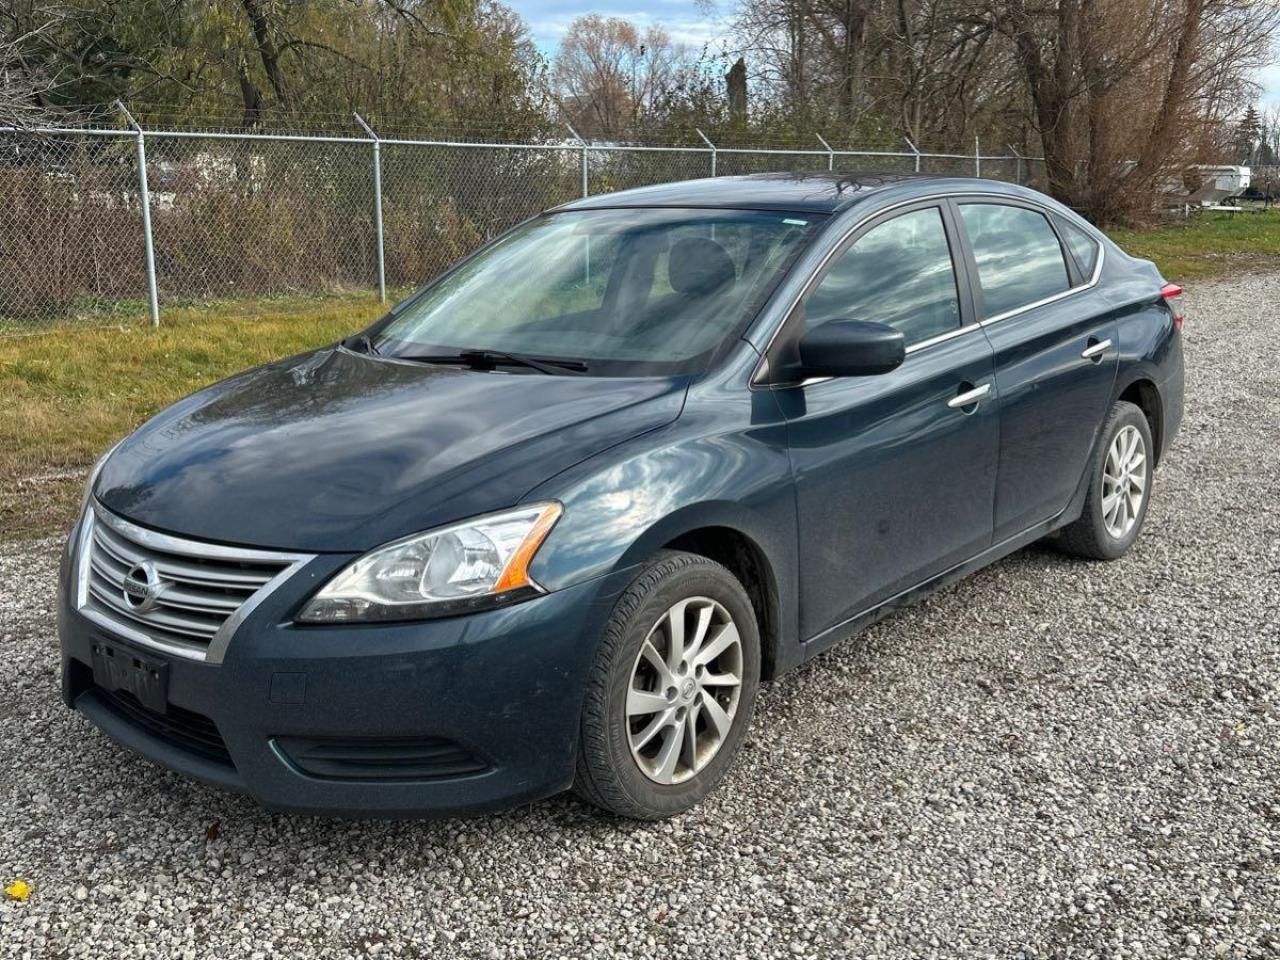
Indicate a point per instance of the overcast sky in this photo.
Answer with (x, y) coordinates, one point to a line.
(1270, 80)
(549, 19)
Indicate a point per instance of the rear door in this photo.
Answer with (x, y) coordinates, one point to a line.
(894, 478)
(1055, 351)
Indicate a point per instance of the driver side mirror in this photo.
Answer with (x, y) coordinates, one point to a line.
(850, 348)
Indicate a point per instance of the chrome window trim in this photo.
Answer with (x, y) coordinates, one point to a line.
(941, 338)
(214, 653)
(978, 195)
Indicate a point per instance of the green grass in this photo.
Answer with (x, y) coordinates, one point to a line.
(69, 393)
(1208, 245)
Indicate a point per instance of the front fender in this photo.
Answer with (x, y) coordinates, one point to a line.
(627, 503)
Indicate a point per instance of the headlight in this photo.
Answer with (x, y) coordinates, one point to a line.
(462, 567)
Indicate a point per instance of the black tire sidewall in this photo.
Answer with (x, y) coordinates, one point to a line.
(701, 578)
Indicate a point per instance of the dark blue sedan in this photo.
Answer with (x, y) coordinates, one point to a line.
(550, 522)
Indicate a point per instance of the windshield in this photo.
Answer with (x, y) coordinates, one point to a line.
(624, 291)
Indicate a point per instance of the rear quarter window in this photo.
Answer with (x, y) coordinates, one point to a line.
(1084, 248)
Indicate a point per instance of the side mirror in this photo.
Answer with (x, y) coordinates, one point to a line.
(851, 348)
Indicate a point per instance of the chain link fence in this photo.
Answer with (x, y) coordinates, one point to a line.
(85, 238)
(71, 231)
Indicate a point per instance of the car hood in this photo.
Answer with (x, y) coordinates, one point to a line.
(338, 451)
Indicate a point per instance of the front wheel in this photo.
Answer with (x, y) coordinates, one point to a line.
(1119, 488)
(672, 689)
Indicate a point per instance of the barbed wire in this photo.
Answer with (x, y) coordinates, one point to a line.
(534, 128)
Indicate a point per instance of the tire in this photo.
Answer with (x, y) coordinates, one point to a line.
(1096, 534)
(625, 678)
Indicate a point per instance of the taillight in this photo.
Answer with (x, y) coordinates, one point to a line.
(1172, 294)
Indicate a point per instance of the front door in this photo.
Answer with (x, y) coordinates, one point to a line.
(895, 478)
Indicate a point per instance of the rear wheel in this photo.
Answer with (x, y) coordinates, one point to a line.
(672, 689)
(1119, 488)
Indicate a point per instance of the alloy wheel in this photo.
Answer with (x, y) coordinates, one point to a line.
(1124, 482)
(684, 690)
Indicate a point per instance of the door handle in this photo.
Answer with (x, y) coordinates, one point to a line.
(969, 397)
(1095, 350)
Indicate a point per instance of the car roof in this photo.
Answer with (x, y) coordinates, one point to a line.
(808, 192)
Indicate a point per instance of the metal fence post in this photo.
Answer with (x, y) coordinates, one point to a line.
(831, 154)
(144, 195)
(585, 186)
(977, 156)
(915, 151)
(377, 205)
(1017, 164)
(712, 147)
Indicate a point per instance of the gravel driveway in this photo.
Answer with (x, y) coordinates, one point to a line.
(1051, 759)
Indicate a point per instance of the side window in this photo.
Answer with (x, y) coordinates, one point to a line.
(1018, 255)
(1082, 246)
(899, 273)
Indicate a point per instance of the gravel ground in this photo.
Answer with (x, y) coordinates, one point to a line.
(1051, 759)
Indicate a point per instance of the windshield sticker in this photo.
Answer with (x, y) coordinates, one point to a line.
(795, 223)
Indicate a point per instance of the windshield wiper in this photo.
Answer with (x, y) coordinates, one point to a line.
(545, 364)
(488, 359)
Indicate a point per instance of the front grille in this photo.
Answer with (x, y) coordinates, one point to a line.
(184, 728)
(391, 758)
(199, 587)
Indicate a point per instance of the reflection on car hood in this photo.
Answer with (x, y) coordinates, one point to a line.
(337, 451)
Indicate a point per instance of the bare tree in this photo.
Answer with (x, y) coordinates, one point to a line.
(21, 85)
(609, 74)
(1269, 135)
(928, 67)
(1266, 168)
(1124, 93)
(1118, 95)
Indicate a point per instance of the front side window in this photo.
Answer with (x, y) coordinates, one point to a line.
(899, 273)
(1018, 255)
(625, 291)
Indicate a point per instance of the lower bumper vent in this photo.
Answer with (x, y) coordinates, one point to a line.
(399, 758)
(184, 728)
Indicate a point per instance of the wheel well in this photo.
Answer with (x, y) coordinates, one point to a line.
(746, 561)
(1144, 395)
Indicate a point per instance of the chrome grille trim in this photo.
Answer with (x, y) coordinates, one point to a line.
(212, 587)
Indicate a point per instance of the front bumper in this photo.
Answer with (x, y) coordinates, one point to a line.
(504, 687)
